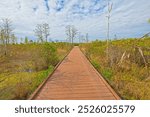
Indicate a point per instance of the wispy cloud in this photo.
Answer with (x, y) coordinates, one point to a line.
(128, 18)
(47, 5)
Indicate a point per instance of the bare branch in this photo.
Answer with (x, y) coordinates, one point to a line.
(71, 33)
(46, 31)
(39, 32)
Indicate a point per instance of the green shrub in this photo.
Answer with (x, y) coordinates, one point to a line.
(107, 73)
(95, 64)
(26, 66)
(128, 73)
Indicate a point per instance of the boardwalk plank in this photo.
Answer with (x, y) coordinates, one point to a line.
(76, 79)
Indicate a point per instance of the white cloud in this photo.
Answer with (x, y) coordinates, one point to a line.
(129, 18)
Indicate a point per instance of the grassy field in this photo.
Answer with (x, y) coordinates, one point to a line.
(126, 66)
(26, 65)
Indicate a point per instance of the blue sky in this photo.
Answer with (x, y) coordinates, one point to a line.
(129, 18)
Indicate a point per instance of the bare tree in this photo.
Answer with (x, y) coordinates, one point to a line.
(42, 32)
(79, 37)
(13, 39)
(46, 31)
(87, 37)
(68, 33)
(39, 32)
(6, 32)
(108, 28)
(7, 27)
(74, 33)
(71, 33)
(82, 37)
(2, 40)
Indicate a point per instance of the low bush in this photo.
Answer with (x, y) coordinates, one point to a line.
(26, 66)
(127, 66)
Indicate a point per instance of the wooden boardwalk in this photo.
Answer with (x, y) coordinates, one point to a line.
(75, 79)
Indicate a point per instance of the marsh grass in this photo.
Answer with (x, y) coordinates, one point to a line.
(127, 73)
(26, 66)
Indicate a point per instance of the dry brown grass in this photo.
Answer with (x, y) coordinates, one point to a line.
(125, 69)
(26, 66)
